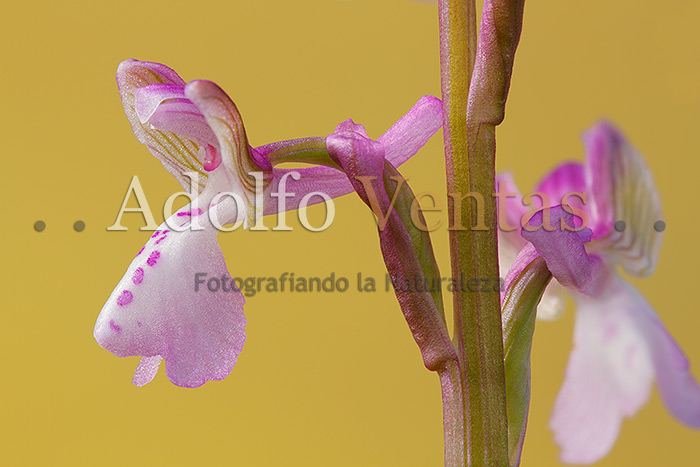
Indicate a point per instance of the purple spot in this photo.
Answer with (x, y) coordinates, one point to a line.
(212, 158)
(157, 232)
(125, 298)
(198, 212)
(114, 327)
(153, 259)
(141, 250)
(137, 278)
(161, 239)
(139, 323)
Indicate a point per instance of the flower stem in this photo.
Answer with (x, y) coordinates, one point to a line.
(452, 414)
(477, 315)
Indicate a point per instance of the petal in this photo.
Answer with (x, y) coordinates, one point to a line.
(350, 146)
(226, 122)
(513, 210)
(147, 370)
(567, 178)
(161, 309)
(236, 155)
(553, 302)
(562, 249)
(620, 345)
(401, 142)
(332, 182)
(621, 188)
(148, 98)
(412, 131)
(510, 242)
(526, 256)
(608, 376)
(677, 385)
(177, 154)
(184, 119)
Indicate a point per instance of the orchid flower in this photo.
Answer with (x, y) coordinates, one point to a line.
(620, 344)
(195, 129)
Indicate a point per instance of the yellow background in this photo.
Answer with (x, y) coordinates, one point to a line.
(330, 379)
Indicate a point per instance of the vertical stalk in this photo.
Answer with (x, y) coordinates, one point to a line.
(469, 152)
(452, 414)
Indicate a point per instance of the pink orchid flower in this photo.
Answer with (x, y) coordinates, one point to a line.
(155, 312)
(620, 344)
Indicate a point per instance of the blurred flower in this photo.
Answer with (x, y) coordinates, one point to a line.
(620, 344)
(195, 130)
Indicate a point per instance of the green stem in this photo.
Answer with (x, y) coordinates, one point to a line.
(477, 315)
(452, 414)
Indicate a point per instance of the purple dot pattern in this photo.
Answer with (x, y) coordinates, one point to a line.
(153, 258)
(195, 213)
(125, 298)
(137, 278)
(138, 275)
(114, 327)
